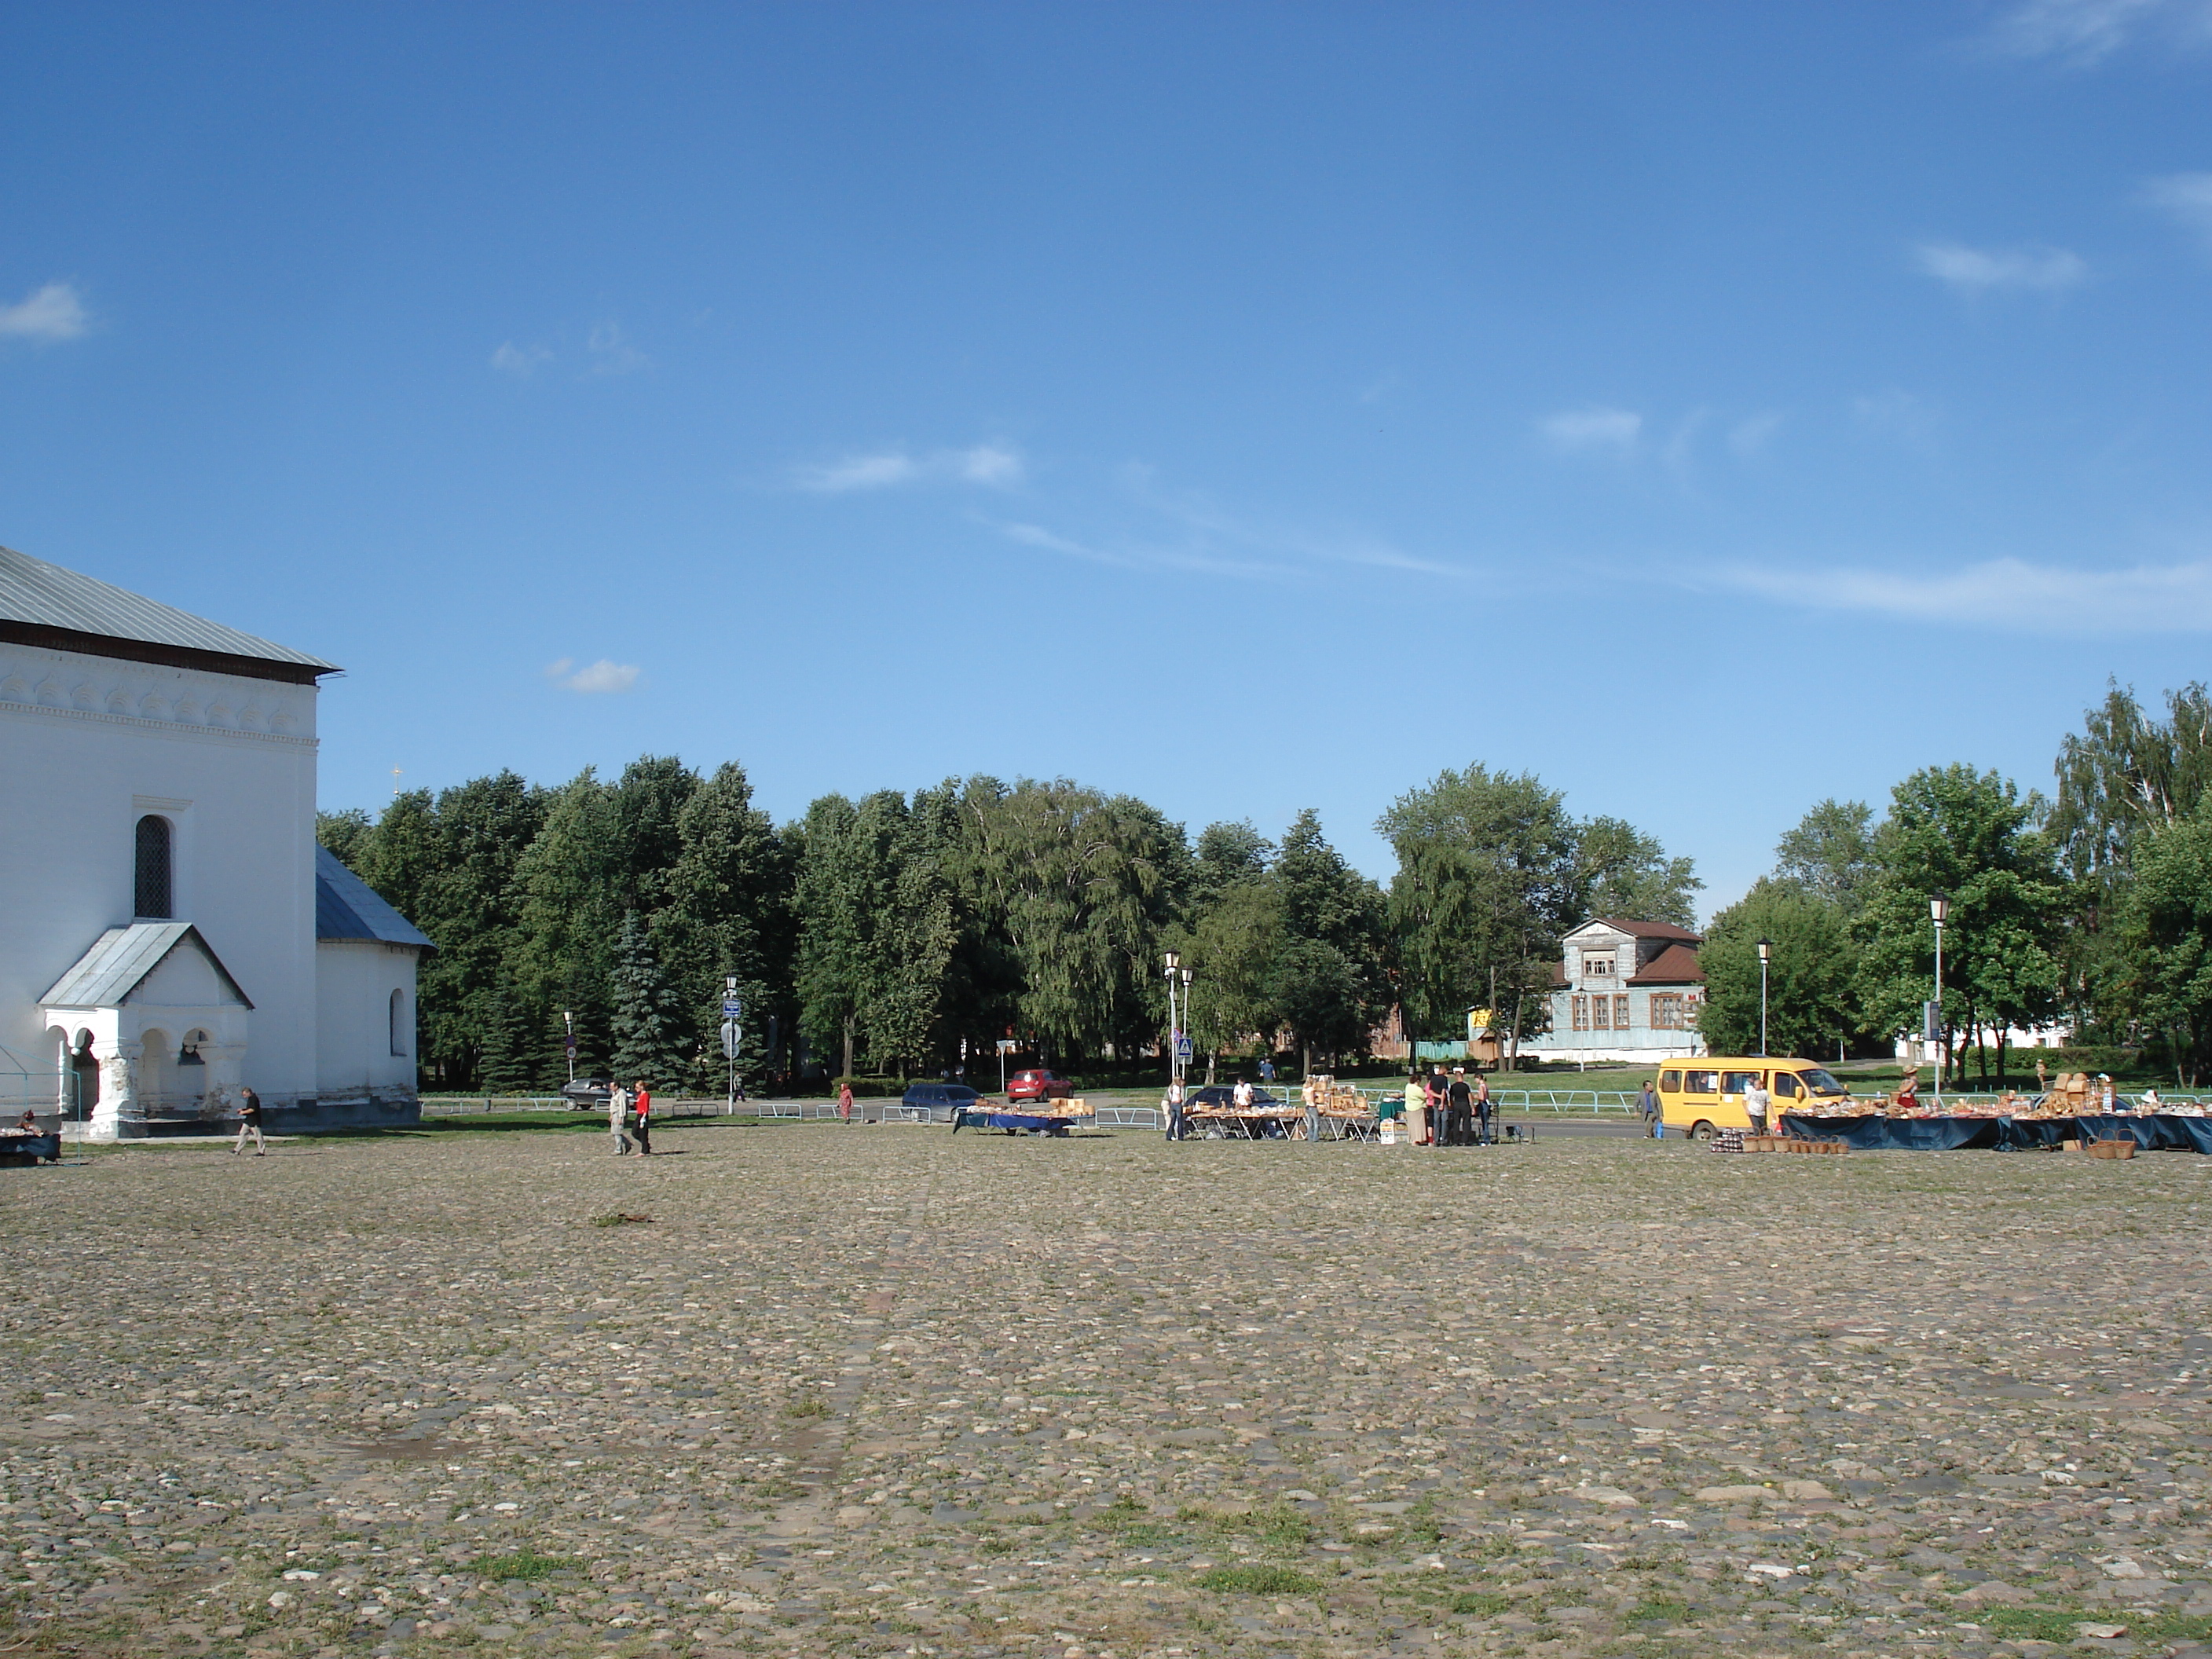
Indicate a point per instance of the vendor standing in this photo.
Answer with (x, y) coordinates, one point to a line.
(1417, 1106)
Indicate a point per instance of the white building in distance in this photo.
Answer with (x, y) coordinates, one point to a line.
(169, 930)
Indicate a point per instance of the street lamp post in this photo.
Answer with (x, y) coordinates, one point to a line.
(1939, 911)
(568, 1041)
(1765, 956)
(1175, 1026)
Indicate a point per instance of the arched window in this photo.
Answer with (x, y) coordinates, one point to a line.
(399, 1023)
(152, 890)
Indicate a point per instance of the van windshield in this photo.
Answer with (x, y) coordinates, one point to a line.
(1822, 1083)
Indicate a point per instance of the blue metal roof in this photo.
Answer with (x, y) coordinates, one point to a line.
(43, 595)
(346, 907)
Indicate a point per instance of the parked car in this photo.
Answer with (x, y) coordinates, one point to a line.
(941, 1100)
(1224, 1094)
(587, 1094)
(1038, 1085)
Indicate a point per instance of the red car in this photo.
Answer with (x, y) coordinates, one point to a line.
(1038, 1085)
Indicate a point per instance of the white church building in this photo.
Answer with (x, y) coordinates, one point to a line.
(169, 929)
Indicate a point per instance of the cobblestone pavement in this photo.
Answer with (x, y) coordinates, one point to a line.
(889, 1390)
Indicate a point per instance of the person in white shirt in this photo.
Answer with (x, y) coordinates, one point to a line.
(618, 1116)
(1754, 1103)
(1174, 1104)
(1243, 1094)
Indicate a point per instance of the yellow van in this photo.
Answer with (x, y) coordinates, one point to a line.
(1696, 1097)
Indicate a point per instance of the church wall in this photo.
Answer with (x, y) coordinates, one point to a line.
(355, 979)
(87, 746)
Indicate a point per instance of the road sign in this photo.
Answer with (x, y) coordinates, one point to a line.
(1007, 1045)
(1183, 1048)
(1931, 1022)
(731, 1036)
(731, 1008)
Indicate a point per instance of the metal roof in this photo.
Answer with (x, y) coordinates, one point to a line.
(122, 958)
(346, 907)
(42, 595)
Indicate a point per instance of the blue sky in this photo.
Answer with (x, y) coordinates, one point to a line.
(1711, 408)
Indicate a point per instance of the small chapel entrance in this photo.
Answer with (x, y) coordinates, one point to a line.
(84, 1078)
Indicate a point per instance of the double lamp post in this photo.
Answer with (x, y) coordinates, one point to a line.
(1177, 1037)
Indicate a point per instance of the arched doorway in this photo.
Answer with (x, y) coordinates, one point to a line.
(84, 1071)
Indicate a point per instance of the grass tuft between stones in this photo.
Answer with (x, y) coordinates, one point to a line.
(524, 1563)
(1258, 1578)
(1480, 1604)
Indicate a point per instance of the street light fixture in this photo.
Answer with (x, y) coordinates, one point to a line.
(1939, 911)
(1174, 1025)
(1765, 956)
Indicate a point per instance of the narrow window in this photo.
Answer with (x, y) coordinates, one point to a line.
(150, 897)
(399, 1023)
(1582, 1013)
(1601, 1007)
(1620, 1011)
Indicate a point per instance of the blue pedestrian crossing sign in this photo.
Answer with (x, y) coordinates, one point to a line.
(1183, 1048)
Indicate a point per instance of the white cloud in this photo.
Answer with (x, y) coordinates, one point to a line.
(998, 466)
(519, 360)
(1594, 428)
(2083, 33)
(2005, 594)
(53, 313)
(605, 675)
(2187, 197)
(612, 353)
(1975, 271)
(1750, 437)
(1898, 413)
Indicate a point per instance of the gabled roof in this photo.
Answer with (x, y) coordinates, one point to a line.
(1652, 929)
(44, 604)
(121, 959)
(346, 907)
(1677, 965)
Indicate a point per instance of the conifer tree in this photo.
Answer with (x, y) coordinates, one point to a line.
(648, 1016)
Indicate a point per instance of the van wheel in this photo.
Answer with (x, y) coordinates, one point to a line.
(1701, 1130)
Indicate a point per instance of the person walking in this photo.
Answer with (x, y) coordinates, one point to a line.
(249, 1123)
(845, 1100)
(1482, 1108)
(618, 1116)
(1310, 1093)
(1647, 1107)
(643, 1106)
(1173, 1107)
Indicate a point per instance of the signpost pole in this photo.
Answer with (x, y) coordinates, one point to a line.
(732, 1035)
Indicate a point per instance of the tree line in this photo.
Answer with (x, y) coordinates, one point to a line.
(902, 934)
(2092, 906)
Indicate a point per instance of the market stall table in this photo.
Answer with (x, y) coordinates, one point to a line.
(2153, 1131)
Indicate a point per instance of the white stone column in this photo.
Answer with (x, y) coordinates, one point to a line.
(119, 1116)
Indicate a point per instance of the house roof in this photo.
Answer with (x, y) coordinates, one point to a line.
(121, 958)
(346, 907)
(1677, 965)
(1652, 929)
(43, 605)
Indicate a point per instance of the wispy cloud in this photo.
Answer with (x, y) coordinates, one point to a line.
(1596, 428)
(2005, 594)
(605, 675)
(1975, 271)
(1905, 416)
(997, 467)
(521, 361)
(2187, 197)
(612, 353)
(1748, 438)
(52, 312)
(2084, 32)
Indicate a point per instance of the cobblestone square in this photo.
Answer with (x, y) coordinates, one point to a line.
(844, 1390)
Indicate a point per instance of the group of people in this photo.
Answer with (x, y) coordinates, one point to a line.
(621, 1104)
(1443, 1111)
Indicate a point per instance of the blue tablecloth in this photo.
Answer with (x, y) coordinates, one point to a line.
(2160, 1132)
(1011, 1122)
(31, 1147)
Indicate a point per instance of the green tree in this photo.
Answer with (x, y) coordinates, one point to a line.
(2164, 927)
(346, 834)
(1974, 835)
(1830, 854)
(570, 923)
(1622, 873)
(728, 916)
(1808, 1004)
(648, 1027)
(1231, 951)
(1327, 982)
(510, 1055)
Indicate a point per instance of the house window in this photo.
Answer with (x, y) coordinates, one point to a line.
(1601, 1012)
(1598, 967)
(399, 1023)
(1620, 1011)
(1582, 1013)
(1666, 1008)
(151, 887)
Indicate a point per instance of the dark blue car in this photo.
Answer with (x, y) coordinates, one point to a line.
(941, 1100)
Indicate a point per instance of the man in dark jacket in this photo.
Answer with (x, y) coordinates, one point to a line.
(249, 1123)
